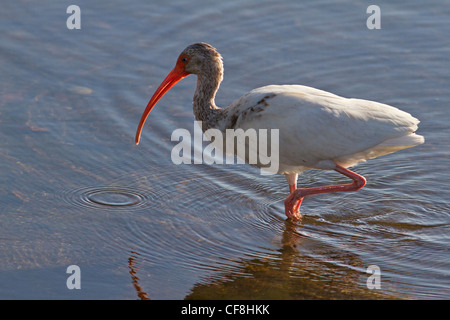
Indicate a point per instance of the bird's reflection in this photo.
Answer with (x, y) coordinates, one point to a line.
(290, 274)
(290, 238)
(287, 274)
(132, 261)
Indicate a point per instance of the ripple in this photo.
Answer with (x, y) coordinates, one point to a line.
(114, 197)
(107, 197)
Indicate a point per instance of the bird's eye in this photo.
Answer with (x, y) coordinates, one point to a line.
(184, 59)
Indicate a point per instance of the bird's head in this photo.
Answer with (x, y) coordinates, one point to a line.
(200, 59)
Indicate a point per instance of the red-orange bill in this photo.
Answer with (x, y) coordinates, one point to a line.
(172, 78)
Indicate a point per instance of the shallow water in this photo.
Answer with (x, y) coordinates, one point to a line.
(75, 190)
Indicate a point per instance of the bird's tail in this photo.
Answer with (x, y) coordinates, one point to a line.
(403, 142)
(386, 147)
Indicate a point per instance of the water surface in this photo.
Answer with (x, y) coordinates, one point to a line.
(76, 190)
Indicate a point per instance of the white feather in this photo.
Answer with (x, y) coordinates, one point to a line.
(319, 129)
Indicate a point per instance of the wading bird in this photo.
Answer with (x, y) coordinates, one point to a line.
(317, 129)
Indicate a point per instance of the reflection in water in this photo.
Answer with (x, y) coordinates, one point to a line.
(284, 277)
(287, 275)
(135, 279)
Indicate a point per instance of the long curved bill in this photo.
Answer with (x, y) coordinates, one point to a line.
(172, 78)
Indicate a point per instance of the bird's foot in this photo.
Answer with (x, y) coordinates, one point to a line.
(292, 205)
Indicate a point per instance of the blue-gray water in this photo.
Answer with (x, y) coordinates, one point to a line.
(76, 190)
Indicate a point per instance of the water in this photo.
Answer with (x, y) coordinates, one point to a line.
(75, 190)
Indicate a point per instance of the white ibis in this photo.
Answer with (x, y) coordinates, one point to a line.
(317, 129)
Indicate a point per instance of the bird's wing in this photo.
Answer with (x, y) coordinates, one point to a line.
(316, 125)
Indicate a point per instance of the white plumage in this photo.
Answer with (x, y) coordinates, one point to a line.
(318, 128)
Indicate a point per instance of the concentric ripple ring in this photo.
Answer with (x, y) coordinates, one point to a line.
(108, 197)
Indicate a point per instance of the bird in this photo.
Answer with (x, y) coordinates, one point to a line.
(317, 129)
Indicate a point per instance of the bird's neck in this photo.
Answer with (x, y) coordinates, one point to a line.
(205, 108)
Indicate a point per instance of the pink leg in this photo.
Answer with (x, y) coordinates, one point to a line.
(294, 200)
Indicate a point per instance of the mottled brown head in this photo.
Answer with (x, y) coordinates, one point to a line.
(201, 58)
